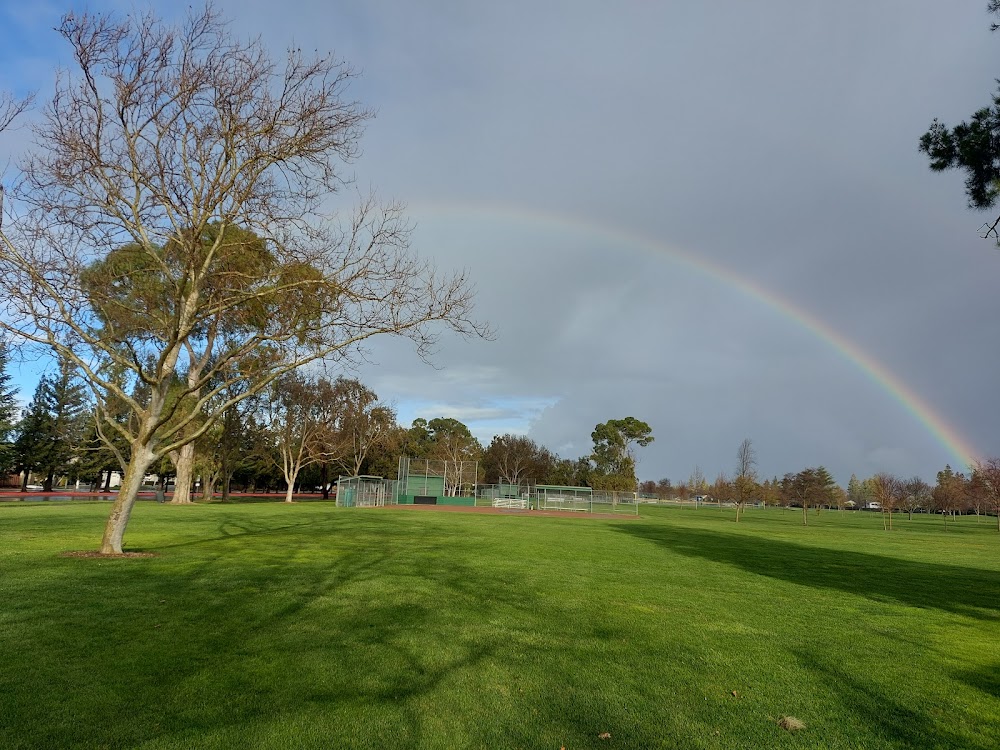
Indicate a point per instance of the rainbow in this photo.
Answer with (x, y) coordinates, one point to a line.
(958, 447)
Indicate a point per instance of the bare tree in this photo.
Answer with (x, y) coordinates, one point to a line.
(810, 487)
(977, 493)
(722, 489)
(916, 495)
(989, 472)
(745, 480)
(152, 158)
(888, 490)
(295, 422)
(11, 108)
(696, 482)
(357, 422)
(682, 491)
(949, 492)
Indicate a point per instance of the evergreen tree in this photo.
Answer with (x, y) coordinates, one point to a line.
(856, 491)
(811, 487)
(8, 414)
(52, 431)
(825, 490)
(67, 404)
(30, 445)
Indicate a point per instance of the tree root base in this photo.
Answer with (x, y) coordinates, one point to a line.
(110, 555)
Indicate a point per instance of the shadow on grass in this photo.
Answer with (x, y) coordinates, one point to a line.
(961, 590)
(897, 723)
(260, 629)
(986, 679)
(255, 632)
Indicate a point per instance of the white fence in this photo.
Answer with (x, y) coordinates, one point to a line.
(519, 503)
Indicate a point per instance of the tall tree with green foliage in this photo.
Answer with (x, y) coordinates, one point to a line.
(453, 442)
(569, 473)
(418, 441)
(383, 458)
(513, 459)
(165, 142)
(614, 453)
(973, 147)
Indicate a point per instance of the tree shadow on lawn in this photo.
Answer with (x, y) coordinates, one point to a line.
(961, 590)
(216, 647)
(211, 643)
(986, 679)
(896, 722)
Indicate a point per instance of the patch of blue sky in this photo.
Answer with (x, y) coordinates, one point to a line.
(484, 417)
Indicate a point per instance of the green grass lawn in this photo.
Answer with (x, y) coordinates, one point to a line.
(308, 626)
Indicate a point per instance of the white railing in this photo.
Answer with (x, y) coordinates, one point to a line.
(510, 502)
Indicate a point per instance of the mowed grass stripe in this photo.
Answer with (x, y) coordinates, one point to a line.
(264, 625)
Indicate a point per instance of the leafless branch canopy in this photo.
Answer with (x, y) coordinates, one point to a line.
(11, 108)
(173, 227)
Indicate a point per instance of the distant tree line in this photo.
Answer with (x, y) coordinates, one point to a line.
(300, 433)
(304, 431)
(954, 493)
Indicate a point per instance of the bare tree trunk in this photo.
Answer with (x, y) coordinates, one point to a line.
(182, 481)
(225, 474)
(107, 482)
(208, 486)
(291, 487)
(114, 530)
(805, 514)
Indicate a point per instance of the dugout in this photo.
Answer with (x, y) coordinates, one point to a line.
(364, 492)
(561, 497)
(425, 481)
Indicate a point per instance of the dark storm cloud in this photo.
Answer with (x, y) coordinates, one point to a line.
(777, 140)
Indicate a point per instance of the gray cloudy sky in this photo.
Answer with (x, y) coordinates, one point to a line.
(571, 155)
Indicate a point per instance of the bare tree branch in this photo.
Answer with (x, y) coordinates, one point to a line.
(174, 230)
